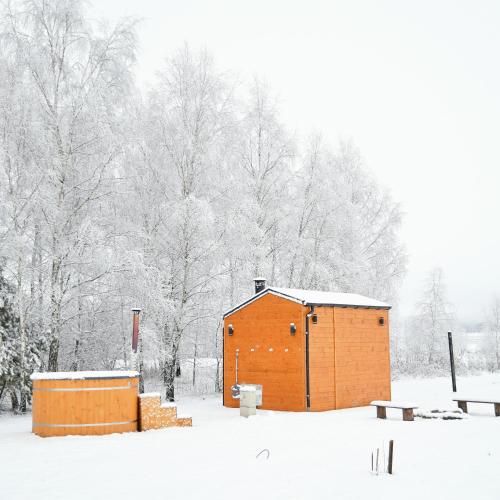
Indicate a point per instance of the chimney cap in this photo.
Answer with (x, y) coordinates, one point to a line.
(259, 278)
(136, 309)
(259, 284)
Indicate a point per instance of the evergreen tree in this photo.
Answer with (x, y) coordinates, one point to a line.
(14, 371)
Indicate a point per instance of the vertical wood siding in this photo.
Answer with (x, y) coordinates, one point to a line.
(362, 357)
(61, 407)
(322, 360)
(268, 354)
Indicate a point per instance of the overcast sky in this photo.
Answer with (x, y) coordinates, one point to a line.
(415, 85)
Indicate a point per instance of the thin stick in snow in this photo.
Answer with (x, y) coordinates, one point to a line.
(391, 448)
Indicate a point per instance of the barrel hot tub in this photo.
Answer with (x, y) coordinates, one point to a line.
(85, 403)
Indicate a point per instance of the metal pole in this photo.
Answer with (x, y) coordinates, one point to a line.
(452, 363)
(391, 455)
(135, 335)
(236, 382)
(135, 328)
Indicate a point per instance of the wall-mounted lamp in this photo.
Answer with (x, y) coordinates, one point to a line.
(381, 321)
(315, 318)
(293, 329)
(230, 330)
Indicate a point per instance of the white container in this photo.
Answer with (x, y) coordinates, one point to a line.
(258, 392)
(250, 398)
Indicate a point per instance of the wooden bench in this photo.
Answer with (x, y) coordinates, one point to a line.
(463, 400)
(382, 405)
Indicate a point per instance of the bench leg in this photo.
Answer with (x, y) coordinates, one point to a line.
(381, 412)
(462, 405)
(408, 414)
(497, 409)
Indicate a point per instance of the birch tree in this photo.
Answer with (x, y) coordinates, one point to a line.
(78, 77)
(344, 226)
(265, 154)
(493, 329)
(185, 125)
(433, 318)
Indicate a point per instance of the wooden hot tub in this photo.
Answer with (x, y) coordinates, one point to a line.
(86, 403)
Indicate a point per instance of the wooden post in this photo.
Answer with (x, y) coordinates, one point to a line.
(462, 405)
(389, 464)
(452, 363)
(381, 412)
(497, 409)
(408, 414)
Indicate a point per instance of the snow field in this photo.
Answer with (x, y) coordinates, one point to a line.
(317, 455)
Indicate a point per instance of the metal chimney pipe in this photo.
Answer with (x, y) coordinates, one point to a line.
(135, 328)
(260, 284)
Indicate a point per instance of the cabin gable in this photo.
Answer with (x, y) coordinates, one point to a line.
(268, 353)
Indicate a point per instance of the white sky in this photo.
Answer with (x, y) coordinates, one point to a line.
(415, 85)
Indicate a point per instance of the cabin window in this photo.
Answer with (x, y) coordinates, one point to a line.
(293, 329)
(230, 330)
(381, 321)
(315, 319)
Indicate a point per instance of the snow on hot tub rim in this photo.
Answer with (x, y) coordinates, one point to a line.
(84, 375)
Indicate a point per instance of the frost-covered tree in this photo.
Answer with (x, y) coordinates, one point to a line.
(493, 331)
(20, 353)
(265, 151)
(18, 188)
(77, 76)
(171, 199)
(432, 320)
(183, 132)
(344, 234)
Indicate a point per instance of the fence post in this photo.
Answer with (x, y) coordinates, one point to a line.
(389, 464)
(452, 363)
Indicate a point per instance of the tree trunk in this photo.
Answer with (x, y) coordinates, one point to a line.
(3, 387)
(498, 356)
(125, 339)
(76, 353)
(53, 354)
(217, 357)
(195, 355)
(23, 375)
(217, 377)
(169, 379)
(23, 404)
(141, 368)
(14, 400)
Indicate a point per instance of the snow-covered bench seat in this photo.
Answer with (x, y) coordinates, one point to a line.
(463, 399)
(406, 407)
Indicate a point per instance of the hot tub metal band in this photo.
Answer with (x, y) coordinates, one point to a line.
(84, 425)
(77, 389)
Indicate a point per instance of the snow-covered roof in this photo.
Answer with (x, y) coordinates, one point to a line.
(315, 297)
(83, 375)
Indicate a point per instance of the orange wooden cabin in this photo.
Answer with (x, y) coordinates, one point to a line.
(309, 350)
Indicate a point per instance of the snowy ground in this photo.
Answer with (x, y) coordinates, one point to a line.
(316, 455)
